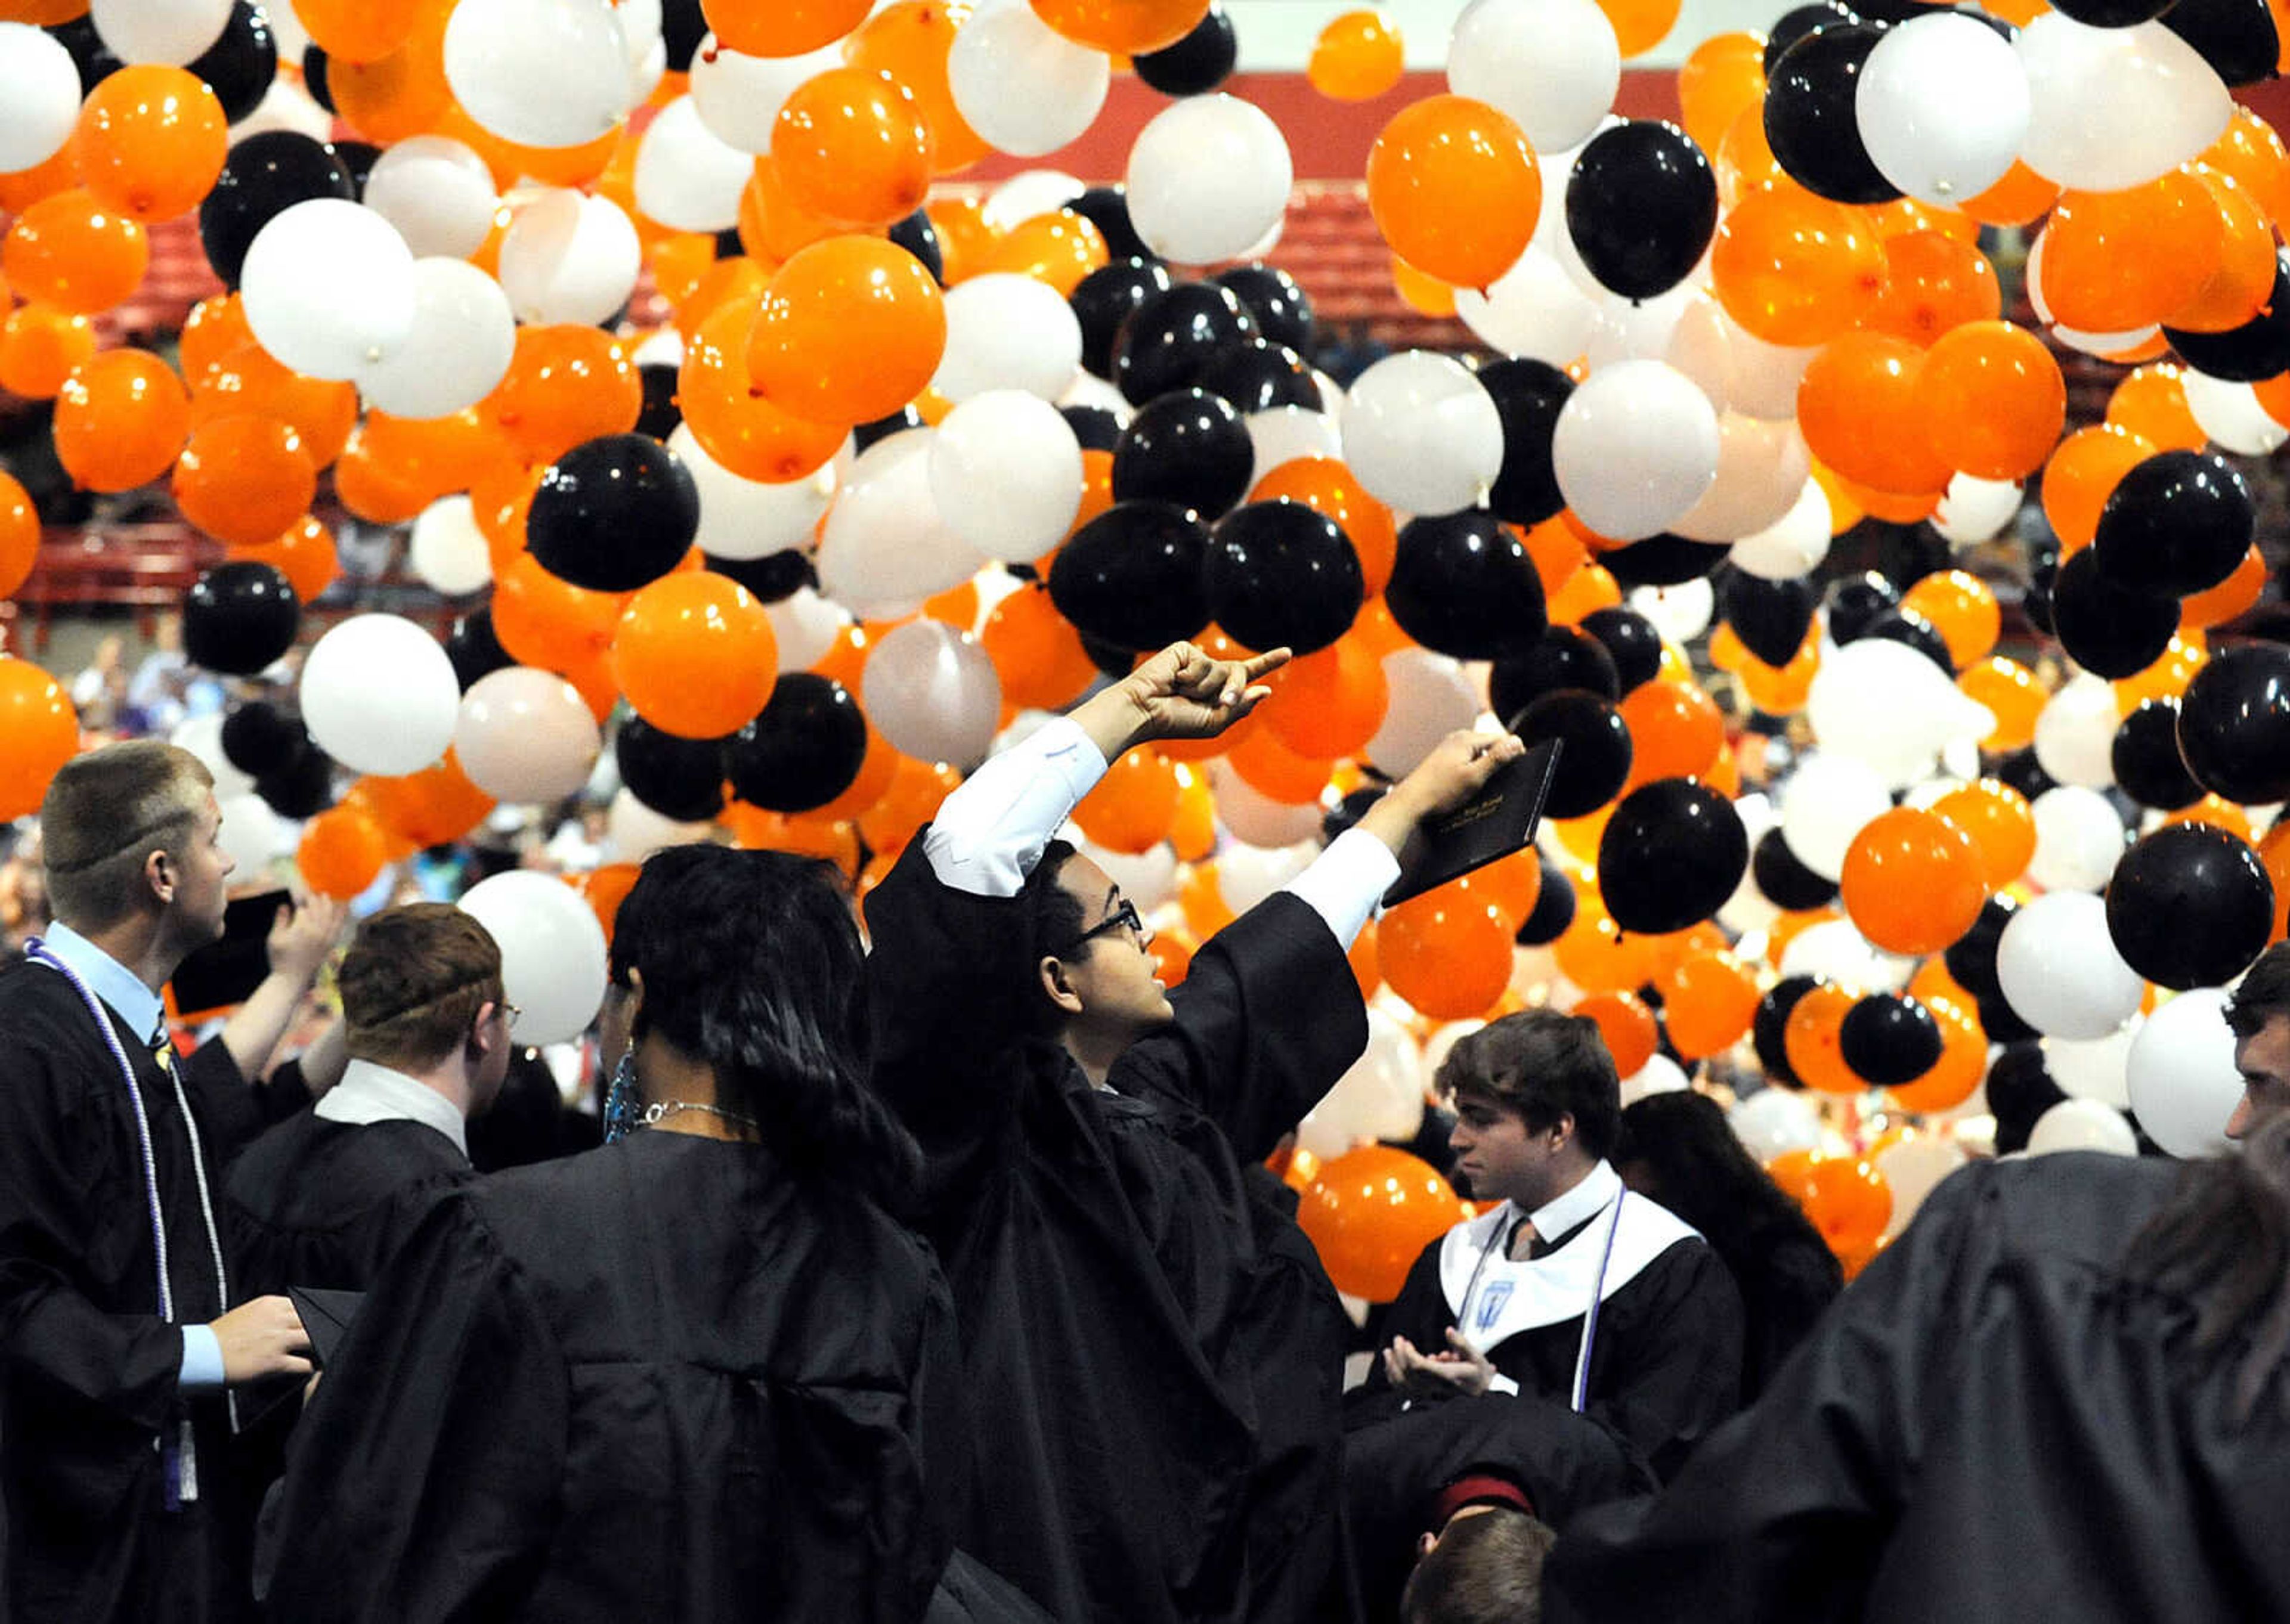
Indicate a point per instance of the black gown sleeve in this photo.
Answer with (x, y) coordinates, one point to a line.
(1420, 1313)
(1678, 1375)
(422, 1485)
(1780, 1513)
(229, 1110)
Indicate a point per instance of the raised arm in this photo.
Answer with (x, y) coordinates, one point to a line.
(303, 935)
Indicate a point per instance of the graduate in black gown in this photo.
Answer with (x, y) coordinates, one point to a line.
(1152, 1354)
(697, 1374)
(119, 1339)
(323, 1199)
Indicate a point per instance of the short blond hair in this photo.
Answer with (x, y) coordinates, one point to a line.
(104, 815)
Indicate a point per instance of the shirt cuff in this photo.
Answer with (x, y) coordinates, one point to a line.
(1346, 882)
(1501, 1383)
(990, 832)
(202, 1371)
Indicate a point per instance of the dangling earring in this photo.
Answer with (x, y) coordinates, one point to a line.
(623, 1109)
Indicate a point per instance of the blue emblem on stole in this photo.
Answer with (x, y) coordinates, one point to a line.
(1491, 1306)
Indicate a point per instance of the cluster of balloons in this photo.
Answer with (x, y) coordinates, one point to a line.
(909, 464)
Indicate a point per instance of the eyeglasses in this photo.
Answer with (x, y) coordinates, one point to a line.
(1123, 917)
(509, 1013)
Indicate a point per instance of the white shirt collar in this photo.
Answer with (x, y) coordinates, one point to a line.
(112, 981)
(1555, 1217)
(369, 1093)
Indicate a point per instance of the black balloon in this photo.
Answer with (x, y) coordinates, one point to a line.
(2109, 630)
(919, 238)
(2234, 725)
(681, 779)
(474, 649)
(772, 577)
(1887, 1040)
(317, 77)
(1908, 628)
(1855, 603)
(2043, 575)
(1594, 748)
(1553, 911)
(2189, 906)
(1770, 617)
(1809, 115)
(1662, 560)
(238, 618)
(301, 789)
(1107, 207)
(265, 175)
(2020, 771)
(2148, 765)
(89, 54)
(1785, 882)
(2002, 1023)
(1631, 639)
(2257, 350)
(1096, 428)
(1188, 447)
(357, 160)
(1671, 856)
(1463, 584)
(1527, 395)
(2020, 1090)
(1131, 578)
(1274, 301)
(803, 750)
(683, 25)
(1196, 64)
(1279, 575)
(257, 739)
(1641, 207)
(1794, 25)
(1561, 657)
(241, 64)
(882, 427)
(1971, 957)
(613, 514)
(2179, 522)
(1109, 296)
(1168, 340)
(2237, 37)
(1260, 376)
(660, 415)
(1769, 1030)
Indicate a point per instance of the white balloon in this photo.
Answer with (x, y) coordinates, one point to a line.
(1007, 331)
(1637, 445)
(2094, 1067)
(525, 736)
(39, 96)
(1942, 110)
(2230, 415)
(1379, 1097)
(1660, 1074)
(1283, 434)
(380, 696)
(1638, 329)
(1246, 875)
(2116, 107)
(1914, 1166)
(172, 33)
(1433, 696)
(1147, 879)
(1774, 1120)
(1553, 65)
(1421, 434)
(570, 257)
(1792, 545)
(1680, 614)
(661, 347)
(886, 546)
(739, 97)
(2183, 1082)
(932, 693)
(1973, 510)
(328, 287)
(635, 831)
(1441, 1044)
(1761, 379)
(1762, 470)
(689, 178)
(1207, 177)
(436, 191)
(1534, 310)
(2075, 734)
(286, 105)
(2059, 971)
(807, 626)
(253, 835)
(2082, 1124)
(2079, 839)
(448, 551)
(201, 736)
(1835, 950)
(1255, 818)
(1028, 193)
(1700, 349)
(1005, 471)
(1882, 703)
(743, 519)
(1828, 801)
(1025, 88)
(459, 346)
(540, 73)
(294, 39)
(552, 949)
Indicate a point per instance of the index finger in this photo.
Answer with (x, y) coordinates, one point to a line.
(1265, 664)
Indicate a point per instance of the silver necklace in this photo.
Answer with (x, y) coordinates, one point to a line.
(654, 1113)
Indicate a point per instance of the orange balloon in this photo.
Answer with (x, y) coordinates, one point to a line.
(1934, 284)
(2235, 595)
(851, 330)
(401, 92)
(1745, 158)
(304, 553)
(605, 888)
(1859, 409)
(1676, 732)
(430, 808)
(2020, 199)
(1913, 881)
(738, 280)
(2187, 653)
(247, 381)
(1813, 1041)
(1330, 490)
(1597, 955)
(2219, 813)
(2012, 692)
(39, 346)
(1370, 1214)
(1709, 1001)
(1963, 1060)
(1134, 804)
(215, 328)
(850, 144)
(1796, 269)
(1173, 958)
(730, 418)
(781, 28)
(565, 384)
(543, 621)
(2252, 155)
(1846, 1199)
(2239, 288)
(1357, 57)
(357, 30)
(1962, 609)
(1037, 651)
(1273, 769)
(1629, 1026)
(1589, 588)
(2001, 824)
(2117, 260)
(2083, 473)
(2152, 402)
(75, 252)
(1724, 77)
(342, 852)
(912, 798)
(1123, 28)
(680, 261)
(1992, 399)
(1907, 216)
(1058, 248)
(1782, 690)
(1455, 188)
(1424, 295)
(1328, 704)
(1446, 952)
(908, 43)
(1513, 884)
(2274, 852)
(39, 731)
(19, 535)
(242, 479)
(120, 421)
(151, 141)
(696, 655)
(773, 225)
(1640, 25)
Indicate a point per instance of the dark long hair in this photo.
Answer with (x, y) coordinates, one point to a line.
(1705, 1175)
(2222, 1244)
(751, 963)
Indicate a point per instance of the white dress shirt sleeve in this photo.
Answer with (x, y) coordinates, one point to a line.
(1346, 882)
(990, 833)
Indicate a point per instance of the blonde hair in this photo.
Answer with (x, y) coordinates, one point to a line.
(104, 815)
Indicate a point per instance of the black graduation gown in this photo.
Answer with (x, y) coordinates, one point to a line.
(666, 1380)
(313, 1203)
(1153, 1355)
(1788, 1281)
(1990, 1424)
(92, 1372)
